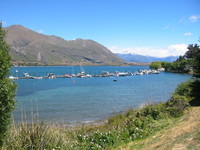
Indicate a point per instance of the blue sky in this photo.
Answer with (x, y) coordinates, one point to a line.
(148, 27)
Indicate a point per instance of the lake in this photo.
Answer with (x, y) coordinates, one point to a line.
(88, 99)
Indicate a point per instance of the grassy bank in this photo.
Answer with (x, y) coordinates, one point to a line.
(183, 134)
(132, 125)
(122, 128)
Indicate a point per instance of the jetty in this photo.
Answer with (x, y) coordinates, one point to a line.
(84, 75)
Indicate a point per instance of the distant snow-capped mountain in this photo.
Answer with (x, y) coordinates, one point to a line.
(145, 59)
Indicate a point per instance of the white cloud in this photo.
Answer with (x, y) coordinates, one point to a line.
(171, 50)
(115, 49)
(188, 34)
(194, 18)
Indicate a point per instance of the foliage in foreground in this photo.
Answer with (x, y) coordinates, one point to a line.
(7, 88)
(119, 129)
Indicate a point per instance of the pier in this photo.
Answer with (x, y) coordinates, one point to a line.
(84, 75)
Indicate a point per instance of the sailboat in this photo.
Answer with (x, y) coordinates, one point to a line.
(82, 73)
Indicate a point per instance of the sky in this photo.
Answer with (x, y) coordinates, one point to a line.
(147, 27)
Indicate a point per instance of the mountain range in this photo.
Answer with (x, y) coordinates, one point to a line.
(31, 48)
(28, 47)
(145, 59)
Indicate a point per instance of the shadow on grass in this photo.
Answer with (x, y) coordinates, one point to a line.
(195, 93)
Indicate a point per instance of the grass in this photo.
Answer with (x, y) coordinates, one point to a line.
(122, 128)
(182, 133)
(129, 129)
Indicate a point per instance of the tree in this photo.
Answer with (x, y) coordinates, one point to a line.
(167, 65)
(7, 88)
(193, 56)
(187, 63)
(155, 65)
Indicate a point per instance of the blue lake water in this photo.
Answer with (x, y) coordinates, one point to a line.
(88, 99)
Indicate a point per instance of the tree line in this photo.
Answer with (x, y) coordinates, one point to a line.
(188, 63)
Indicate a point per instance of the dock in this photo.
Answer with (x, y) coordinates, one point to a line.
(84, 75)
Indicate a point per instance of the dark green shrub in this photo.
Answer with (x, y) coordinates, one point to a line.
(7, 88)
(153, 110)
(190, 89)
(195, 93)
(185, 89)
(116, 119)
(176, 105)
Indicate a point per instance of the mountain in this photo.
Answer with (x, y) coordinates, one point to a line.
(145, 59)
(32, 48)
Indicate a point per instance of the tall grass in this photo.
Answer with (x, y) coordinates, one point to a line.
(121, 128)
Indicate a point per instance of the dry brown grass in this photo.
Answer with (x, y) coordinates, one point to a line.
(182, 135)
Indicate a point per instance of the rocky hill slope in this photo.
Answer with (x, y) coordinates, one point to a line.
(32, 48)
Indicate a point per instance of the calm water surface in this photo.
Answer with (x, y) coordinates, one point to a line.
(88, 99)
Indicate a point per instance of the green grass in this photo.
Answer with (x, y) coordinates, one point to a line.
(119, 129)
(133, 125)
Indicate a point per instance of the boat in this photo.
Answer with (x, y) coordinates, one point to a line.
(81, 75)
(38, 77)
(13, 78)
(88, 75)
(120, 74)
(155, 72)
(105, 74)
(51, 75)
(67, 76)
(26, 75)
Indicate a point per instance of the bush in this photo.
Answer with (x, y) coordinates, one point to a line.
(190, 90)
(185, 89)
(195, 94)
(176, 105)
(7, 88)
(153, 110)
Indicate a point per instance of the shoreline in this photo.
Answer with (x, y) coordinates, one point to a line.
(94, 122)
(88, 123)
